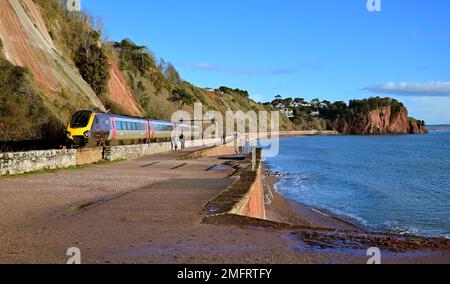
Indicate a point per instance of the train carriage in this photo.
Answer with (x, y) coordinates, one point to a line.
(90, 129)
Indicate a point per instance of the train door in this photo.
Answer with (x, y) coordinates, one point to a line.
(147, 132)
(152, 130)
(113, 129)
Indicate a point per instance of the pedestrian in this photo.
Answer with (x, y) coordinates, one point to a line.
(182, 141)
(175, 143)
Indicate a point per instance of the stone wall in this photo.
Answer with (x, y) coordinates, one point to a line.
(89, 156)
(134, 151)
(33, 161)
(26, 162)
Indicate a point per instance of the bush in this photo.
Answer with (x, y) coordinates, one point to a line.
(23, 113)
(92, 63)
(183, 97)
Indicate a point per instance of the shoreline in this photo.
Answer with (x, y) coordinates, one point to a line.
(285, 210)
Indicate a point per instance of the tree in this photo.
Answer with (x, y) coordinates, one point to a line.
(92, 63)
(136, 58)
(299, 100)
(315, 102)
(287, 102)
(172, 74)
(183, 97)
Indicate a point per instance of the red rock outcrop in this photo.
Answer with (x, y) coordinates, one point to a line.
(380, 121)
(120, 92)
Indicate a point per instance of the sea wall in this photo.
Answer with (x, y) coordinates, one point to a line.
(33, 161)
(255, 207)
(245, 197)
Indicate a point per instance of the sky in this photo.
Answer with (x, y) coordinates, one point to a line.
(334, 50)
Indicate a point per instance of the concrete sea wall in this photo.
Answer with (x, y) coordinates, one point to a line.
(245, 197)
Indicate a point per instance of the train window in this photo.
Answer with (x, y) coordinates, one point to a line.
(118, 125)
(129, 126)
(80, 119)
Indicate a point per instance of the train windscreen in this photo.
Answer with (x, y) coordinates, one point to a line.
(80, 119)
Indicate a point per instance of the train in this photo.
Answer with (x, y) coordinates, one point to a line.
(93, 129)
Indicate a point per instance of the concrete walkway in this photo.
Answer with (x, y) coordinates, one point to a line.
(141, 211)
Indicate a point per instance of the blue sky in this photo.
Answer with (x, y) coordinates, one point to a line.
(334, 50)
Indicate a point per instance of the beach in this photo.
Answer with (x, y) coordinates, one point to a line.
(288, 211)
(154, 210)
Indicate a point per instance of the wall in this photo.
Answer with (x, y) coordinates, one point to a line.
(245, 197)
(256, 207)
(89, 156)
(134, 151)
(26, 162)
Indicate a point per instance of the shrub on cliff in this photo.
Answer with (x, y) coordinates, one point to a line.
(23, 113)
(134, 58)
(92, 62)
(183, 97)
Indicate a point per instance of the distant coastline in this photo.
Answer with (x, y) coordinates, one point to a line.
(439, 127)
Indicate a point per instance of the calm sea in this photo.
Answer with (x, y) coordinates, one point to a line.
(395, 184)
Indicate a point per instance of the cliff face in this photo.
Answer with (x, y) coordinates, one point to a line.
(27, 43)
(385, 120)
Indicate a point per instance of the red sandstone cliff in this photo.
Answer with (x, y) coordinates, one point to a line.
(384, 120)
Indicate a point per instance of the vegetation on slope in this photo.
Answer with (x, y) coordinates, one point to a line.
(23, 112)
(30, 112)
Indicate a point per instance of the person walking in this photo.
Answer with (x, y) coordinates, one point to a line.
(182, 141)
(175, 142)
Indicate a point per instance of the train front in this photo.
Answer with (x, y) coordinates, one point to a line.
(78, 131)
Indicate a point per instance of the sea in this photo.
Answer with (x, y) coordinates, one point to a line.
(394, 184)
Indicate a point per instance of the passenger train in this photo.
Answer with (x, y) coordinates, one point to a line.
(91, 129)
